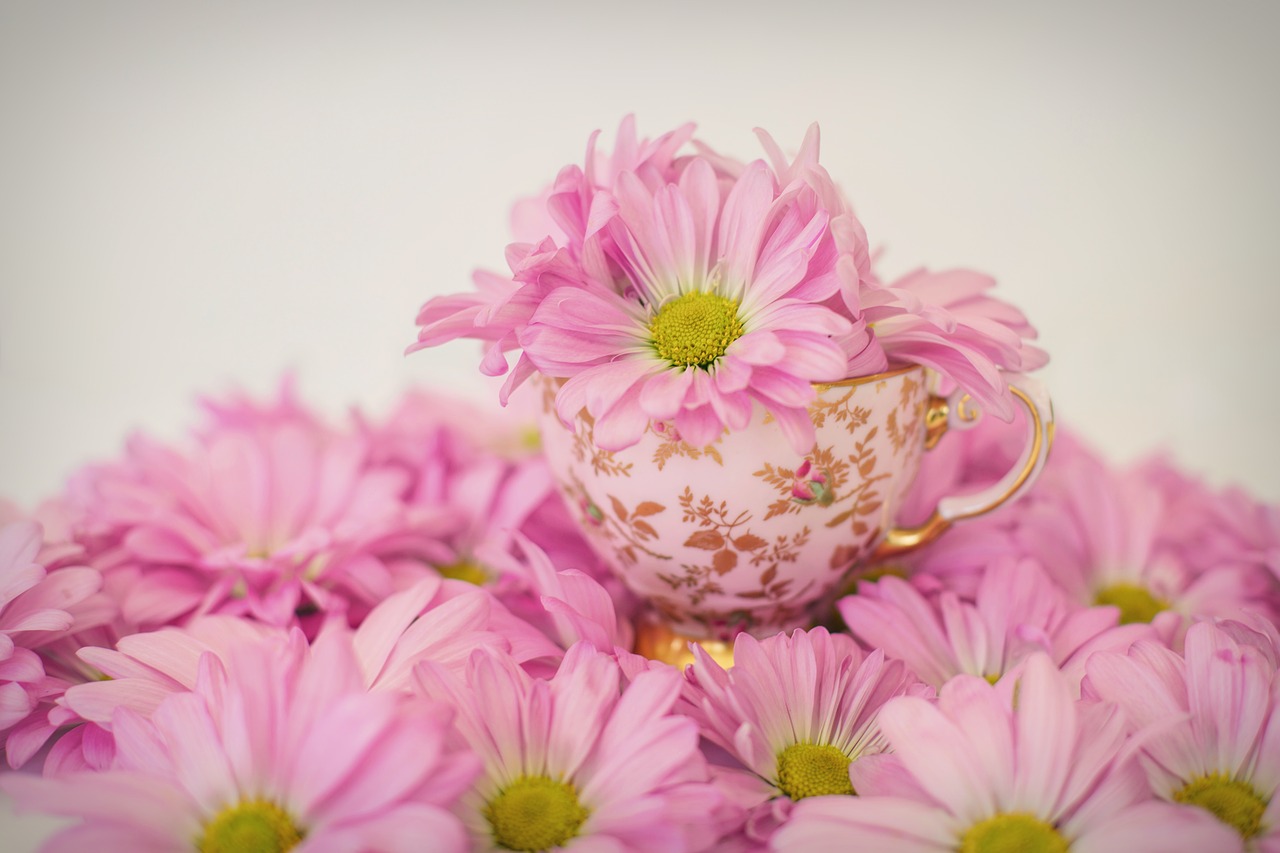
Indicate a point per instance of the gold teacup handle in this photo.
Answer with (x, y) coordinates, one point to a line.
(958, 412)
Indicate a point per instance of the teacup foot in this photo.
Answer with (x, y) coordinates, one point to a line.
(658, 641)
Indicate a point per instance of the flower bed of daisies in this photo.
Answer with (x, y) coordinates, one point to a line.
(388, 633)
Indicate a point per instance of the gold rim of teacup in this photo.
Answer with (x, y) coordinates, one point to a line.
(863, 380)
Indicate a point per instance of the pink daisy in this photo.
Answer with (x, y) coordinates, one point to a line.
(1103, 535)
(269, 513)
(696, 277)
(719, 308)
(796, 711)
(489, 511)
(473, 499)
(998, 768)
(281, 749)
(574, 763)
(1209, 724)
(472, 489)
(1017, 612)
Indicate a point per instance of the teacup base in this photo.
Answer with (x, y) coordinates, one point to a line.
(658, 641)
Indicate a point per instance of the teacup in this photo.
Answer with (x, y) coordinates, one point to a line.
(744, 534)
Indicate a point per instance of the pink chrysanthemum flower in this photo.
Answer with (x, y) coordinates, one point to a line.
(719, 308)
(472, 490)
(1212, 724)
(482, 505)
(485, 496)
(262, 516)
(280, 749)
(1101, 534)
(1017, 612)
(573, 763)
(695, 277)
(796, 711)
(38, 607)
(1003, 768)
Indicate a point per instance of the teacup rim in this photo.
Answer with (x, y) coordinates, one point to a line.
(874, 377)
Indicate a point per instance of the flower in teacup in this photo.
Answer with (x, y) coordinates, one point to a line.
(810, 486)
(717, 308)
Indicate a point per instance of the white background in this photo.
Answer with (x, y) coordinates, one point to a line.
(200, 196)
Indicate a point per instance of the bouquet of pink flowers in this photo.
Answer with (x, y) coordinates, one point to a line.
(389, 633)
(686, 288)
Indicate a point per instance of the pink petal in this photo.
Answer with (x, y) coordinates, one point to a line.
(162, 595)
(1156, 825)
(623, 423)
(382, 628)
(839, 824)
(148, 805)
(663, 394)
(1046, 738)
(19, 544)
(192, 738)
(97, 701)
(742, 224)
(939, 755)
(758, 348)
(702, 192)
(699, 427)
(403, 829)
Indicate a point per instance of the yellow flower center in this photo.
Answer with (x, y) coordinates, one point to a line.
(465, 570)
(695, 329)
(812, 770)
(535, 813)
(1232, 801)
(1136, 603)
(250, 826)
(1014, 832)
